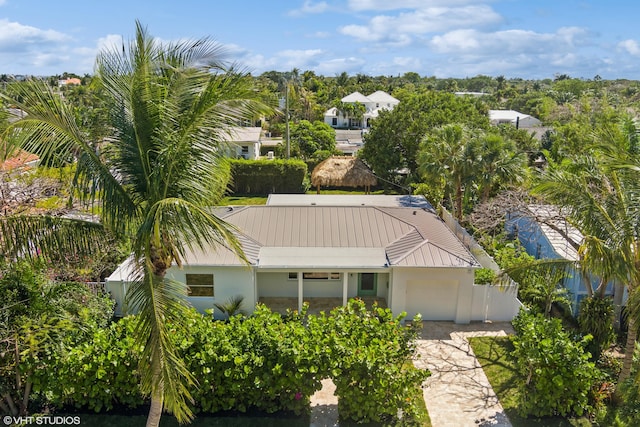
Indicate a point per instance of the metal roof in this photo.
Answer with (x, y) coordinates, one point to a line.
(339, 236)
(342, 236)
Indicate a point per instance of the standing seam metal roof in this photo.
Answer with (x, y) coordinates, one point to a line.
(411, 237)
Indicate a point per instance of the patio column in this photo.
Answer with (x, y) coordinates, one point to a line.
(300, 291)
(345, 283)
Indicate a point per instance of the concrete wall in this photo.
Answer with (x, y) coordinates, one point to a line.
(494, 303)
(436, 293)
(227, 283)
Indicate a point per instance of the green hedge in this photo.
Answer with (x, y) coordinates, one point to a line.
(265, 362)
(268, 176)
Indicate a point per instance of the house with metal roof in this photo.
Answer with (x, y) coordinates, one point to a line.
(325, 250)
(545, 233)
(512, 117)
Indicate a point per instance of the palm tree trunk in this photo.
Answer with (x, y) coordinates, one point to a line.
(459, 201)
(155, 411)
(628, 351)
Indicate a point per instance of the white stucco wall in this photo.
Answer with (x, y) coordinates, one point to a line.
(494, 303)
(436, 293)
(227, 283)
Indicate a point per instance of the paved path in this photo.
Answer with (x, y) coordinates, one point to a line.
(324, 406)
(458, 393)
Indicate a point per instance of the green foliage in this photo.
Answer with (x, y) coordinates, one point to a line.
(393, 140)
(595, 318)
(232, 307)
(265, 362)
(308, 138)
(484, 276)
(99, 373)
(368, 353)
(556, 376)
(268, 176)
(40, 321)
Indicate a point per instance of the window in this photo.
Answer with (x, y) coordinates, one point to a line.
(200, 285)
(334, 121)
(315, 276)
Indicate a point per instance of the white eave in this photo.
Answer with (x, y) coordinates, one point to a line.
(322, 257)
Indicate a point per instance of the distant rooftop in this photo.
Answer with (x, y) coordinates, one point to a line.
(381, 200)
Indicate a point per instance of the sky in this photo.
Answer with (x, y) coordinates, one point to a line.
(534, 39)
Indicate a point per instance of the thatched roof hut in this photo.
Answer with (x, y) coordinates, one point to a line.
(343, 171)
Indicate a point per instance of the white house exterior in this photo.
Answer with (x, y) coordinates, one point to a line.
(373, 104)
(515, 118)
(244, 142)
(393, 250)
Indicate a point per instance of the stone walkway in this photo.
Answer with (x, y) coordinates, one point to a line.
(458, 393)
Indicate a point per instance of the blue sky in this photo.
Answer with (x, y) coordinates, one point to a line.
(532, 39)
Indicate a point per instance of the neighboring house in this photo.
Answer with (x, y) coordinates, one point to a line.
(328, 249)
(245, 142)
(19, 162)
(517, 119)
(545, 234)
(373, 104)
(73, 81)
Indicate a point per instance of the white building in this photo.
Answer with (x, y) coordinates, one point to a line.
(328, 249)
(516, 118)
(373, 104)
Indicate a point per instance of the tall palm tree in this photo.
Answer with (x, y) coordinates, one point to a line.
(443, 159)
(497, 163)
(171, 107)
(601, 193)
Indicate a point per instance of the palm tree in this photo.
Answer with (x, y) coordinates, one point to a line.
(171, 107)
(444, 160)
(497, 163)
(601, 193)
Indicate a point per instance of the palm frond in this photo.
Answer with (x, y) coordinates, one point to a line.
(39, 235)
(161, 304)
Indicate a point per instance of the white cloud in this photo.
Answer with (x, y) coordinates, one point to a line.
(338, 65)
(508, 42)
(15, 37)
(403, 4)
(630, 46)
(310, 8)
(401, 29)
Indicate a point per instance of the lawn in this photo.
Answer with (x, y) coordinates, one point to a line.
(493, 353)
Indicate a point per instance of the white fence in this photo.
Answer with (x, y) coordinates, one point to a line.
(490, 302)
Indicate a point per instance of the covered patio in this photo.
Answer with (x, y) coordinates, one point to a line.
(316, 304)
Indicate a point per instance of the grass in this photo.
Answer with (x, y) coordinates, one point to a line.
(494, 355)
(243, 200)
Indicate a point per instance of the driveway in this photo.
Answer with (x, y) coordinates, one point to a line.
(458, 393)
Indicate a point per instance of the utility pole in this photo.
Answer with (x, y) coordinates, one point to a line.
(286, 107)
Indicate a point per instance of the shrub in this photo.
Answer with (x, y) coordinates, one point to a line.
(369, 354)
(596, 318)
(262, 362)
(555, 372)
(100, 373)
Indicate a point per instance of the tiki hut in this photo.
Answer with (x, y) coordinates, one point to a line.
(343, 171)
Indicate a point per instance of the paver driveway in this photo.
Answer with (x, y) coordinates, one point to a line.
(458, 393)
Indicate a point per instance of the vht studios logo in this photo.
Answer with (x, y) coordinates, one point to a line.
(46, 420)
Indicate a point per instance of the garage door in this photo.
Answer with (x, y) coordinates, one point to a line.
(434, 299)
